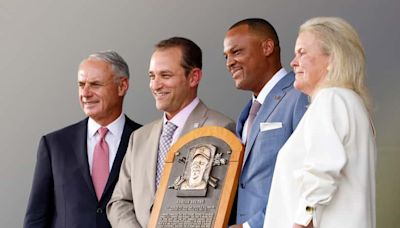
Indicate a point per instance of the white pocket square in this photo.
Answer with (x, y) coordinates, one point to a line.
(267, 126)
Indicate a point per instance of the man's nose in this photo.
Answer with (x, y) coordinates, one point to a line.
(294, 62)
(230, 61)
(155, 83)
(86, 91)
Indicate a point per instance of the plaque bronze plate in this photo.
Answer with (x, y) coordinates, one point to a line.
(199, 181)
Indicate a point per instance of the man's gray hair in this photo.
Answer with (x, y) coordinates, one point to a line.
(118, 64)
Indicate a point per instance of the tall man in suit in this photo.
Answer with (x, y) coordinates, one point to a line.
(252, 52)
(77, 168)
(174, 73)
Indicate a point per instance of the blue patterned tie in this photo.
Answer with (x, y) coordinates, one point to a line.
(163, 147)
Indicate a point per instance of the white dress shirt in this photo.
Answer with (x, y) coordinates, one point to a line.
(113, 138)
(325, 173)
(263, 94)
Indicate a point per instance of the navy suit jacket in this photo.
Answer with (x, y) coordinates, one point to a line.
(62, 194)
(283, 104)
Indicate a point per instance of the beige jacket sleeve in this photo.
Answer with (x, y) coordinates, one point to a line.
(120, 209)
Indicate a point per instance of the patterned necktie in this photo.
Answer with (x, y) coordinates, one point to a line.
(100, 168)
(252, 115)
(163, 147)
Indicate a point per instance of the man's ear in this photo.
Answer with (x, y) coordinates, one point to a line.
(195, 77)
(123, 86)
(268, 46)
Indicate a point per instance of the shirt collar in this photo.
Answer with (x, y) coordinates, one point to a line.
(115, 128)
(180, 118)
(269, 85)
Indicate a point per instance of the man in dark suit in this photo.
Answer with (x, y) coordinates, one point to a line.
(77, 168)
(252, 52)
(175, 73)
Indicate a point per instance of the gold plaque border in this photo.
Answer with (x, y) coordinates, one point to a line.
(228, 191)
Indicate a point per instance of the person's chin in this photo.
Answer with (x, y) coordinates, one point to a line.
(161, 106)
(89, 111)
(239, 85)
(162, 101)
(297, 84)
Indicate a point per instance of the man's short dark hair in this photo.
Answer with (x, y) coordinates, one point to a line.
(191, 52)
(261, 27)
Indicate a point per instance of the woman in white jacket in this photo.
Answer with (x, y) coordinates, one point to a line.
(325, 173)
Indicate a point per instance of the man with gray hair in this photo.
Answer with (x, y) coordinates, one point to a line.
(78, 166)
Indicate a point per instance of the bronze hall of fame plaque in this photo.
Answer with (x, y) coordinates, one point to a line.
(199, 181)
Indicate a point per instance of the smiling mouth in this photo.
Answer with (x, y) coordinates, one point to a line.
(160, 94)
(235, 71)
(89, 102)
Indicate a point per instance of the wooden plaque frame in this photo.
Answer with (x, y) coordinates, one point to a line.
(229, 187)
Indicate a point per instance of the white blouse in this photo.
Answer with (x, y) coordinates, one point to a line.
(326, 170)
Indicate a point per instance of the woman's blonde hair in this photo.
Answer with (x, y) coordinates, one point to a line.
(341, 43)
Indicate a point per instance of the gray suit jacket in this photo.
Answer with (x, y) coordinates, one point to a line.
(131, 203)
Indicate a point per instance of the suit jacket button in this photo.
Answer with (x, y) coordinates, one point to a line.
(242, 185)
(99, 211)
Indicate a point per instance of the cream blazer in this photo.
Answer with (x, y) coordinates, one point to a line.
(326, 170)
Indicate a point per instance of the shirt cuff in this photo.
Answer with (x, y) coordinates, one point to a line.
(305, 213)
(246, 225)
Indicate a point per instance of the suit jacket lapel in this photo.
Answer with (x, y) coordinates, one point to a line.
(154, 136)
(128, 128)
(196, 119)
(270, 103)
(242, 119)
(80, 151)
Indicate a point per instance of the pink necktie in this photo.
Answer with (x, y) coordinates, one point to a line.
(100, 168)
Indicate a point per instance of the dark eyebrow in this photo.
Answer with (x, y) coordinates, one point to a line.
(166, 72)
(233, 47)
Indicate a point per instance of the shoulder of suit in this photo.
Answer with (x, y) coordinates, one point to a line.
(132, 123)
(286, 84)
(218, 115)
(337, 94)
(69, 129)
(150, 125)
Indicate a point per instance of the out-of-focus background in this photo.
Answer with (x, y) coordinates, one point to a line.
(42, 42)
